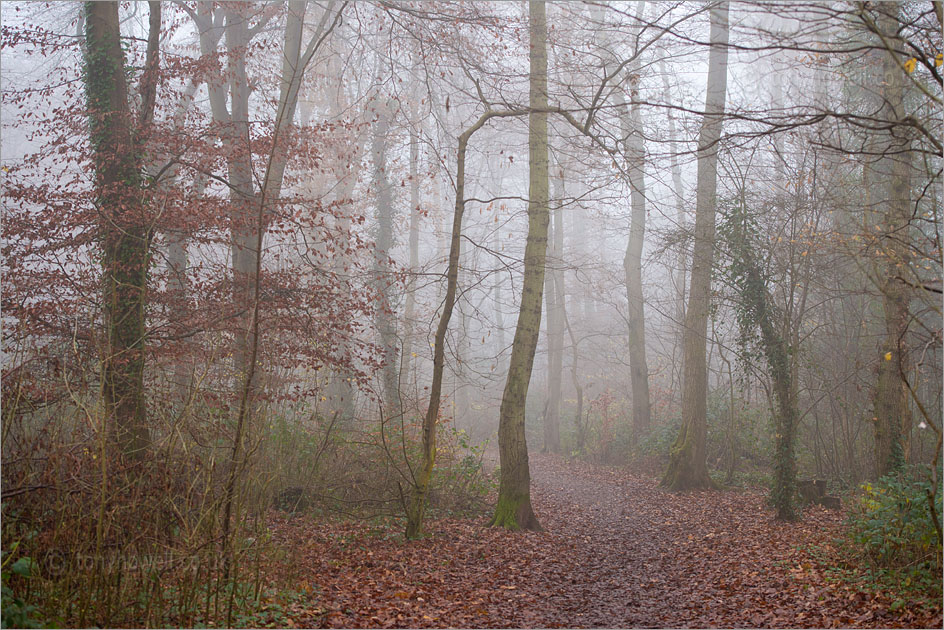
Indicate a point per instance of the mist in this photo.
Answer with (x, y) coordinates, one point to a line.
(442, 280)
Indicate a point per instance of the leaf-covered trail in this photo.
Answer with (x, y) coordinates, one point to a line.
(618, 551)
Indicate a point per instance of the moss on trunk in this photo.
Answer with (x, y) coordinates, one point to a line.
(514, 512)
(125, 239)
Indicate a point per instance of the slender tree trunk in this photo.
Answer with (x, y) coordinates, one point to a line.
(242, 192)
(632, 261)
(554, 289)
(235, 137)
(409, 311)
(383, 278)
(777, 353)
(514, 494)
(688, 466)
(417, 506)
(340, 390)
(117, 156)
(757, 310)
(250, 227)
(778, 359)
(177, 246)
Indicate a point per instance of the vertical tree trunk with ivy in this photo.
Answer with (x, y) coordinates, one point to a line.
(688, 466)
(756, 311)
(513, 510)
(785, 422)
(121, 200)
(891, 413)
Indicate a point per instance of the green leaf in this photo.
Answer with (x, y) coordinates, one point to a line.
(23, 566)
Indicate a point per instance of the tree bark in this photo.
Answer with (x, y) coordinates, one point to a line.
(409, 311)
(242, 192)
(681, 271)
(891, 412)
(514, 510)
(688, 466)
(756, 310)
(632, 261)
(126, 239)
(383, 278)
(778, 359)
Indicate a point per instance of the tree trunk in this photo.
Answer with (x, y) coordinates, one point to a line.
(235, 135)
(514, 494)
(417, 505)
(345, 169)
(632, 261)
(688, 466)
(756, 310)
(178, 241)
(681, 271)
(777, 354)
(383, 278)
(242, 192)
(124, 227)
(554, 287)
(250, 225)
(409, 311)
(891, 412)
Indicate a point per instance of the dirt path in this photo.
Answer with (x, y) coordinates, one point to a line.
(651, 558)
(618, 552)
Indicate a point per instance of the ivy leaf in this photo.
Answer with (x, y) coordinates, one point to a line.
(23, 566)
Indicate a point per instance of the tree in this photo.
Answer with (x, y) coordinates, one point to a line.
(252, 216)
(513, 510)
(635, 156)
(117, 140)
(554, 294)
(417, 506)
(688, 466)
(892, 223)
(386, 316)
(755, 310)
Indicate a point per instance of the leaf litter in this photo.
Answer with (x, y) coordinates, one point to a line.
(618, 551)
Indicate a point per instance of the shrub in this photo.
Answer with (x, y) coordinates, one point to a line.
(891, 523)
(660, 439)
(460, 481)
(16, 613)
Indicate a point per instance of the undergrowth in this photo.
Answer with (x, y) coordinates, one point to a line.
(891, 544)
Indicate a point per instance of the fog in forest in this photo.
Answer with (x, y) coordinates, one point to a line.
(281, 277)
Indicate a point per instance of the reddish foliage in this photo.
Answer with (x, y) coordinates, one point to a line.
(619, 552)
(53, 230)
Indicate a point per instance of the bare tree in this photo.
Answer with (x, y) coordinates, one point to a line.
(688, 467)
(514, 510)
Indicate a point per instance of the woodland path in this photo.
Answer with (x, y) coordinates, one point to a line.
(618, 552)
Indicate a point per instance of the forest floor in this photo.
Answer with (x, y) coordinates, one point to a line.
(617, 552)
